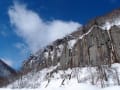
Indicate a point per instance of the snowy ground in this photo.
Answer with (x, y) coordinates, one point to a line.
(76, 78)
(72, 87)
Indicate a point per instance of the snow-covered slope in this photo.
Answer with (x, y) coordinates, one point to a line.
(72, 87)
(103, 76)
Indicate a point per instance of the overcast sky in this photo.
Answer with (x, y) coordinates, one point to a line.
(28, 25)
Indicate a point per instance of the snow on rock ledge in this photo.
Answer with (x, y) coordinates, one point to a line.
(71, 43)
(109, 24)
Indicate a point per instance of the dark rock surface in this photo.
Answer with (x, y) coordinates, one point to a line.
(6, 73)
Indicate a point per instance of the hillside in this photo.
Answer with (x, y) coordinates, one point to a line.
(89, 55)
(6, 72)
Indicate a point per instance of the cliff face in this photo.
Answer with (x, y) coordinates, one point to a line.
(94, 44)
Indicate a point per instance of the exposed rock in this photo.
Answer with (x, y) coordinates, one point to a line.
(115, 39)
(91, 45)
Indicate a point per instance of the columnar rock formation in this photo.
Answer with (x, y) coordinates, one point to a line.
(96, 43)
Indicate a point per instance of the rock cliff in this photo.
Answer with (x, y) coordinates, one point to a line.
(97, 43)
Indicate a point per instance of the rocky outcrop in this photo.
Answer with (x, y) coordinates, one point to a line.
(115, 40)
(97, 43)
(93, 48)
